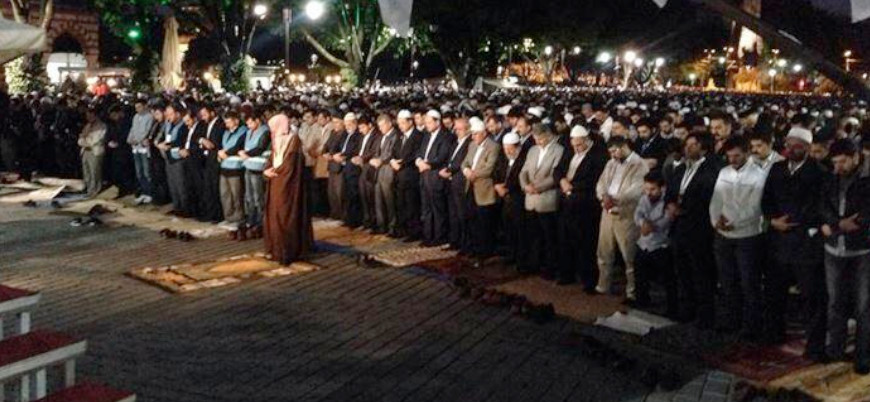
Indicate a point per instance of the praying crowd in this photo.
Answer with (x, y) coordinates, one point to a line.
(729, 201)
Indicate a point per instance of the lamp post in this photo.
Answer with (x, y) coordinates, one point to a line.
(772, 73)
(314, 9)
(847, 56)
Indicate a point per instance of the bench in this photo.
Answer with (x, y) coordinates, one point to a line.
(90, 392)
(17, 301)
(34, 352)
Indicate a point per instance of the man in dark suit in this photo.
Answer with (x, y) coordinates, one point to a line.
(407, 177)
(385, 189)
(350, 173)
(192, 161)
(335, 181)
(368, 177)
(210, 196)
(508, 188)
(579, 209)
(650, 145)
(434, 154)
(688, 202)
(457, 203)
(791, 203)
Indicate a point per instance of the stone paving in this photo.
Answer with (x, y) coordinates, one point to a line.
(339, 334)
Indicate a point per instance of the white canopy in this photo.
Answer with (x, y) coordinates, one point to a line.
(17, 39)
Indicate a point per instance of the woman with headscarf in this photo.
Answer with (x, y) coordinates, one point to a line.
(287, 227)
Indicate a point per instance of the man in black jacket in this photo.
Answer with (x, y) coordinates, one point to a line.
(791, 203)
(688, 202)
(579, 209)
(210, 209)
(846, 216)
(508, 188)
(351, 204)
(457, 203)
(433, 156)
(407, 177)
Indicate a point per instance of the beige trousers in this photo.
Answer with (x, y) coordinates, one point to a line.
(617, 232)
(233, 197)
(92, 173)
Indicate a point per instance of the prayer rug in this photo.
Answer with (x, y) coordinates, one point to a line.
(145, 216)
(225, 271)
(569, 301)
(411, 254)
(827, 382)
(40, 195)
(490, 274)
(761, 364)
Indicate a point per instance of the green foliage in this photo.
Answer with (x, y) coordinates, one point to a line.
(236, 76)
(26, 74)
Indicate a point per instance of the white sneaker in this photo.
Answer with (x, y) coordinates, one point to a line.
(146, 199)
(139, 200)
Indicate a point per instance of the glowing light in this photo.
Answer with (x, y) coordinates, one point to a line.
(638, 62)
(630, 56)
(847, 53)
(111, 82)
(260, 10)
(797, 68)
(315, 9)
(721, 60)
(604, 57)
(781, 63)
(660, 61)
(771, 72)
(577, 49)
(548, 50)
(208, 76)
(692, 76)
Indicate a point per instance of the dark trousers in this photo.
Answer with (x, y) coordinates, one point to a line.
(434, 213)
(848, 283)
(408, 209)
(512, 219)
(335, 192)
(193, 178)
(696, 273)
(739, 268)
(651, 265)
(542, 242)
(482, 221)
(578, 244)
(351, 200)
(367, 198)
(177, 181)
(319, 198)
(210, 208)
(810, 279)
(159, 183)
(457, 207)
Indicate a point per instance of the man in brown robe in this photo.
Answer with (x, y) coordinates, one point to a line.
(288, 233)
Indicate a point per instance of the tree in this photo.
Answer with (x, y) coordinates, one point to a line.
(351, 35)
(29, 74)
(133, 22)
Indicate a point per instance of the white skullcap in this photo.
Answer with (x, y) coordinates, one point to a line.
(504, 110)
(476, 125)
(644, 107)
(774, 108)
(631, 104)
(853, 121)
(434, 114)
(510, 139)
(569, 117)
(535, 111)
(349, 116)
(801, 134)
(829, 113)
(579, 132)
(446, 108)
(685, 111)
(620, 107)
(405, 114)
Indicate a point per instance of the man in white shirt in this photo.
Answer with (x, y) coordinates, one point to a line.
(735, 213)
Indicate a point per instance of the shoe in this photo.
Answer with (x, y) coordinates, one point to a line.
(242, 234)
(164, 233)
(171, 234)
(147, 199)
(76, 222)
(30, 204)
(233, 235)
(138, 200)
(93, 222)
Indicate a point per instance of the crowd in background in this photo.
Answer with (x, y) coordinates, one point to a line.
(727, 200)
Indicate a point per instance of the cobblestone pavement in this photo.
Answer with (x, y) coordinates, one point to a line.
(338, 334)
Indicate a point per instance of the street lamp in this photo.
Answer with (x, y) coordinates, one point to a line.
(721, 60)
(576, 50)
(630, 56)
(692, 77)
(797, 68)
(772, 73)
(548, 50)
(260, 11)
(848, 56)
(781, 63)
(638, 62)
(660, 61)
(604, 57)
(315, 9)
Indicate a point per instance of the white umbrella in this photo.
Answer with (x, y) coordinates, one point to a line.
(170, 61)
(17, 39)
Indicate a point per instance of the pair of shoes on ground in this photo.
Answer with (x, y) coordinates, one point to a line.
(143, 199)
(519, 305)
(86, 221)
(245, 232)
(172, 234)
